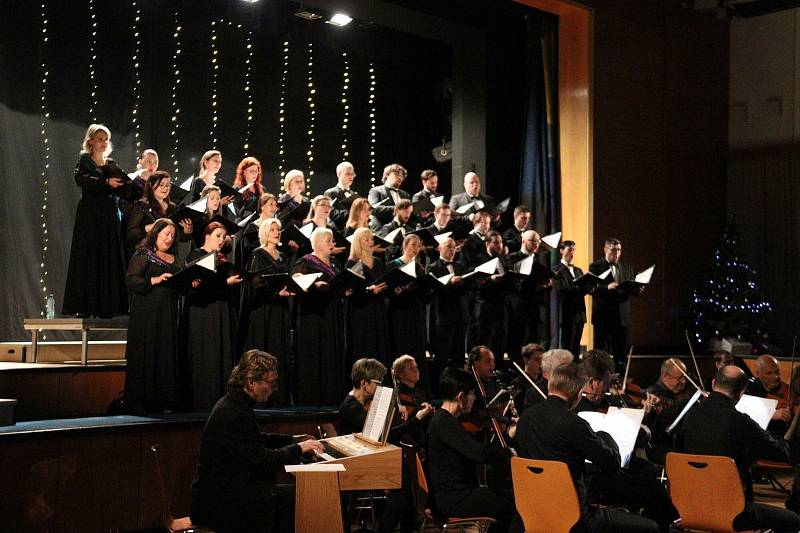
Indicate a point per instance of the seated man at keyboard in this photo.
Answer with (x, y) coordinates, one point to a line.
(234, 488)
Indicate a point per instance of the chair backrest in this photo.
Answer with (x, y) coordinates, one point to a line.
(166, 513)
(705, 489)
(545, 495)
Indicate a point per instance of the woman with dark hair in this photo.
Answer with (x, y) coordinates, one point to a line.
(95, 283)
(406, 311)
(211, 325)
(265, 320)
(151, 376)
(248, 172)
(368, 330)
(321, 370)
(154, 204)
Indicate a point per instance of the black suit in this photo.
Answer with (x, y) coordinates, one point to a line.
(715, 427)
(551, 431)
(395, 250)
(421, 195)
(525, 312)
(513, 239)
(338, 214)
(487, 316)
(462, 199)
(234, 488)
(450, 319)
(611, 311)
(571, 308)
(473, 250)
(382, 214)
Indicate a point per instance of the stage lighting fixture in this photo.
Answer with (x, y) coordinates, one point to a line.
(339, 19)
(307, 15)
(250, 1)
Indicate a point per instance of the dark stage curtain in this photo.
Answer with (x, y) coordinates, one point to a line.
(763, 196)
(539, 186)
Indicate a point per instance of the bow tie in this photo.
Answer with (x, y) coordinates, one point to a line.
(473, 198)
(447, 263)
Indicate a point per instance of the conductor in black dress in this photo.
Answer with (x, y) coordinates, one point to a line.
(234, 488)
(611, 306)
(95, 283)
(571, 305)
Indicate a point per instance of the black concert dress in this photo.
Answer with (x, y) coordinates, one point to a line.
(210, 342)
(367, 326)
(151, 376)
(95, 283)
(265, 320)
(320, 372)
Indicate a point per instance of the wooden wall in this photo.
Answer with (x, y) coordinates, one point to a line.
(657, 91)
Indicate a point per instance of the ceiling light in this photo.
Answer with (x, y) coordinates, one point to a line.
(307, 15)
(339, 19)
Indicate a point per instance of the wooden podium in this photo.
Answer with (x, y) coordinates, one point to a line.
(318, 505)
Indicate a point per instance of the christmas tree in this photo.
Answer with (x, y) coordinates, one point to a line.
(730, 304)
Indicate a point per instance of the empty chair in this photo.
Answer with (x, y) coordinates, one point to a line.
(545, 495)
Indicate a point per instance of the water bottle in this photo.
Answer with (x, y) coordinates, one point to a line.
(51, 307)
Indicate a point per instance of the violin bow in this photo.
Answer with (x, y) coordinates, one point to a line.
(495, 423)
(694, 359)
(627, 366)
(793, 426)
(690, 380)
(526, 376)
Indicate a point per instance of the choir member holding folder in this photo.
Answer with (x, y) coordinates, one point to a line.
(358, 217)
(151, 377)
(210, 340)
(292, 204)
(319, 333)
(265, 321)
(154, 204)
(210, 164)
(248, 172)
(215, 210)
(368, 331)
(407, 308)
(95, 283)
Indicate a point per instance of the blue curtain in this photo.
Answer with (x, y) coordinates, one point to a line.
(539, 186)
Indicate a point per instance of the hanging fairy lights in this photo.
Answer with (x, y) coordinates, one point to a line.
(248, 94)
(214, 76)
(136, 61)
(372, 125)
(92, 62)
(312, 115)
(45, 161)
(176, 81)
(345, 105)
(282, 111)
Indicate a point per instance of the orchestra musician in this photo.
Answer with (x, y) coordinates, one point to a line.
(571, 304)
(635, 486)
(366, 375)
(532, 355)
(384, 197)
(552, 431)
(320, 336)
(413, 398)
(95, 284)
(368, 325)
(234, 487)
(449, 311)
(721, 358)
(248, 172)
(453, 455)
(611, 306)
(513, 235)
(211, 324)
(668, 396)
(715, 427)
(345, 174)
(265, 320)
(551, 359)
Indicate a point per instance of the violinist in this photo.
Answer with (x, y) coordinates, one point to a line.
(551, 359)
(453, 455)
(481, 359)
(406, 375)
(721, 358)
(669, 395)
(552, 431)
(532, 354)
(367, 375)
(635, 486)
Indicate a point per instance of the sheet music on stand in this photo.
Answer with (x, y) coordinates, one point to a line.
(759, 409)
(623, 426)
(379, 417)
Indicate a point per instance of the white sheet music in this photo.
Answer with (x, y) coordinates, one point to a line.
(304, 281)
(392, 235)
(307, 230)
(552, 240)
(644, 276)
(186, 184)
(199, 205)
(442, 236)
(623, 426)
(759, 409)
(410, 268)
(436, 200)
(379, 410)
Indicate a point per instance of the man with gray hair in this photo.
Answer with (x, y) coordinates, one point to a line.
(342, 195)
(551, 360)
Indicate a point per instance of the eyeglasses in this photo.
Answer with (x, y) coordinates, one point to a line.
(376, 382)
(165, 186)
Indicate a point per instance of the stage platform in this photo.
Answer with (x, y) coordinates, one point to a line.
(97, 474)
